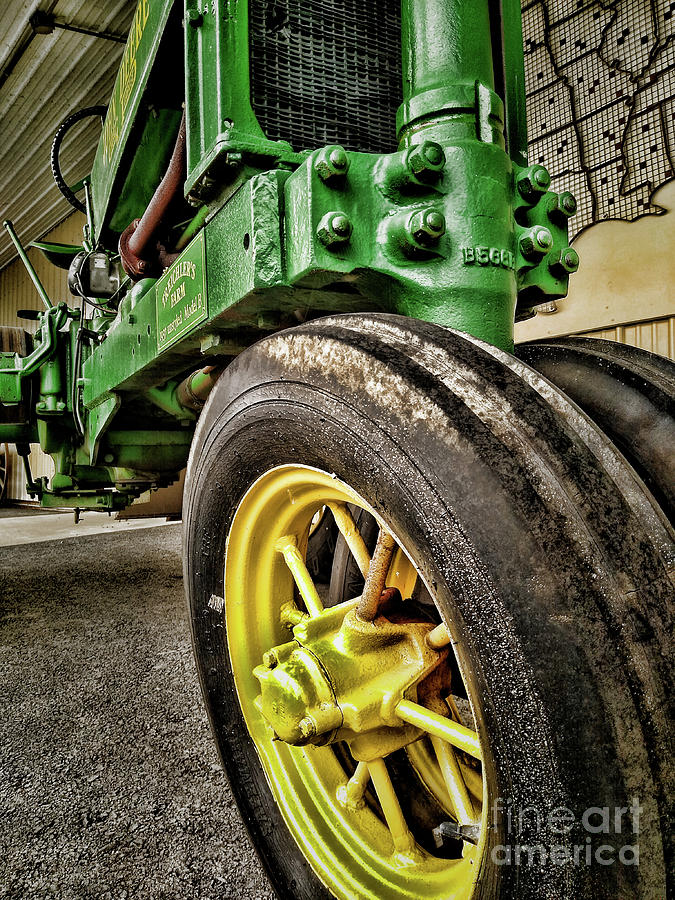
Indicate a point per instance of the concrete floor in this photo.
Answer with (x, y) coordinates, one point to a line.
(110, 785)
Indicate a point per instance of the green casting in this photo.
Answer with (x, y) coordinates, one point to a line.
(452, 227)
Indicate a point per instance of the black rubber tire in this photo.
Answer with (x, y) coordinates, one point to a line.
(628, 392)
(546, 554)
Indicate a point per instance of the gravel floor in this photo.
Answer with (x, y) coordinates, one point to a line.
(110, 785)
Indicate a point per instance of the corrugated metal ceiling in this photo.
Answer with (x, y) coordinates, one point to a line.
(52, 76)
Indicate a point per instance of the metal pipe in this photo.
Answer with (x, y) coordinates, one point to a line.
(166, 191)
(194, 390)
(27, 263)
(446, 49)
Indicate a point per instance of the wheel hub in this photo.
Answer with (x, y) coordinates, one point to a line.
(341, 678)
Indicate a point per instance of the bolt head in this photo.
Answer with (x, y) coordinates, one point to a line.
(334, 230)
(270, 659)
(535, 243)
(427, 226)
(568, 203)
(426, 160)
(566, 264)
(533, 183)
(331, 163)
(307, 728)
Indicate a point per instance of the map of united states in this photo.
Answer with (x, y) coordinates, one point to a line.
(601, 101)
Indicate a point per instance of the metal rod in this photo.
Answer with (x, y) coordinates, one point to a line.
(463, 738)
(377, 577)
(27, 263)
(288, 546)
(402, 838)
(347, 526)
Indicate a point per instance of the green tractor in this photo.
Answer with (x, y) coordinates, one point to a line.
(311, 228)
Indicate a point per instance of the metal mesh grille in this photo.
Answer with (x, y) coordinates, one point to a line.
(326, 72)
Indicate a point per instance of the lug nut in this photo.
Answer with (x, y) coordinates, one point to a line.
(535, 243)
(426, 226)
(565, 264)
(425, 161)
(334, 230)
(307, 728)
(331, 163)
(533, 183)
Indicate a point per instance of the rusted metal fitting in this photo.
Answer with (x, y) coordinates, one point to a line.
(331, 164)
(535, 243)
(565, 263)
(135, 266)
(377, 575)
(533, 183)
(137, 246)
(425, 162)
(334, 230)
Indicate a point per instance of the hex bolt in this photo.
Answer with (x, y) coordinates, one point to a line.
(307, 728)
(331, 164)
(426, 226)
(535, 243)
(566, 263)
(563, 206)
(533, 183)
(425, 161)
(334, 230)
(270, 659)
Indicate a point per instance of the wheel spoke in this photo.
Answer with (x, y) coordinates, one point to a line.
(351, 794)
(439, 726)
(401, 836)
(454, 782)
(288, 546)
(377, 576)
(345, 522)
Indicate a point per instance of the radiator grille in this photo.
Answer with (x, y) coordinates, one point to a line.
(326, 71)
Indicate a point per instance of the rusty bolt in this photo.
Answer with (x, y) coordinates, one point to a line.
(566, 262)
(535, 243)
(307, 728)
(334, 230)
(533, 183)
(426, 226)
(425, 161)
(270, 659)
(331, 163)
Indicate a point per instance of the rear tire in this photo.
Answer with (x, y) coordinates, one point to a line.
(629, 393)
(544, 555)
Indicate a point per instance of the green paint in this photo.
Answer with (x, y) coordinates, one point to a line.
(180, 295)
(452, 228)
(139, 54)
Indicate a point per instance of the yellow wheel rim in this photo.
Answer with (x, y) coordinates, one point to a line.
(351, 846)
